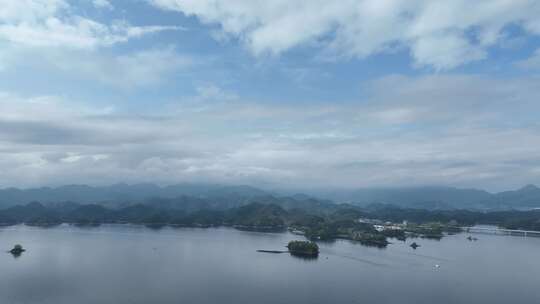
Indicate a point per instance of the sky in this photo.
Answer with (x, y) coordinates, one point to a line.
(270, 93)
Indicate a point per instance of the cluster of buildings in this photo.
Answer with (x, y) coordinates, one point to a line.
(382, 226)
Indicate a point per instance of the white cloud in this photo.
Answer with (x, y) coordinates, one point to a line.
(214, 93)
(531, 63)
(40, 23)
(136, 69)
(130, 70)
(103, 4)
(50, 38)
(397, 115)
(445, 51)
(440, 34)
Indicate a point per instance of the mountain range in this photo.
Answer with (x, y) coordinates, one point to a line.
(437, 197)
(210, 196)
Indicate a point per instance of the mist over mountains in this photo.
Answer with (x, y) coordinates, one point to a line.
(210, 196)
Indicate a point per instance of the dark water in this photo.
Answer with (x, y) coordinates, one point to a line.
(128, 264)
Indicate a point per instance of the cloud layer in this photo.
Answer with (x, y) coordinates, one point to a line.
(164, 91)
(52, 23)
(372, 142)
(57, 38)
(438, 34)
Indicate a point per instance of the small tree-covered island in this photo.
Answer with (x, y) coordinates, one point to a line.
(303, 248)
(17, 250)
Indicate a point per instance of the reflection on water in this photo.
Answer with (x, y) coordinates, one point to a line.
(304, 257)
(17, 251)
(16, 254)
(135, 264)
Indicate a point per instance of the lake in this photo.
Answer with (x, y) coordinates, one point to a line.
(133, 264)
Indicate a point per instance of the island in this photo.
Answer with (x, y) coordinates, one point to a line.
(17, 250)
(303, 248)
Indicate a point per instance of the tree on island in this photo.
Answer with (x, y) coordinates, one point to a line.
(17, 250)
(303, 248)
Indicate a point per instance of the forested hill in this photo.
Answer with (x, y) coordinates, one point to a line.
(320, 221)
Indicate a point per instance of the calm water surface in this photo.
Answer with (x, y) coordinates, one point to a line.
(130, 264)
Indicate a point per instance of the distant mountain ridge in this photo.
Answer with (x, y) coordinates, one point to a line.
(435, 197)
(211, 196)
(123, 193)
